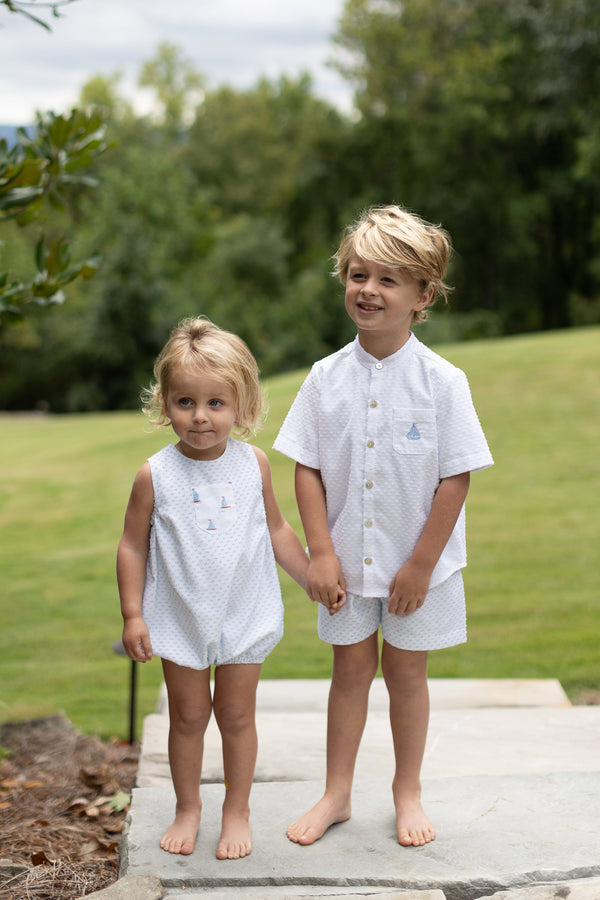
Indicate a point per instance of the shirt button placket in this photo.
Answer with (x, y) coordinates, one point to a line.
(369, 512)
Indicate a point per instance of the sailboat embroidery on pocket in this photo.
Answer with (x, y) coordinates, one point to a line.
(214, 507)
(414, 434)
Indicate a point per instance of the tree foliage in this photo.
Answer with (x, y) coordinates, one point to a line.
(228, 203)
(484, 115)
(42, 173)
(24, 7)
(176, 84)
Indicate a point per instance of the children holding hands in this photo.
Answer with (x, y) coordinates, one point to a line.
(385, 438)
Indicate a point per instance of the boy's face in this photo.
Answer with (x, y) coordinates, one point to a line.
(381, 301)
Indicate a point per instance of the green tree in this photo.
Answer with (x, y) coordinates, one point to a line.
(150, 223)
(480, 115)
(103, 93)
(256, 149)
(147, 223)
(41, 178)
(273, 162)
(177, 84)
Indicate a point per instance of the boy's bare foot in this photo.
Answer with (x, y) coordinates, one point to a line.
(413, 827)
(313, 824)
(236, 836)
(180, 837)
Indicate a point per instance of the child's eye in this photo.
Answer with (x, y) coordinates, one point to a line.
(185, 401)
(215, 403)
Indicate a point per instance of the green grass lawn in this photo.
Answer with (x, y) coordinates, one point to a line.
(533, 582)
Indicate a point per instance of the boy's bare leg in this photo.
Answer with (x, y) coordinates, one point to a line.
(235, 706)
(354, 667)
(405, 674)
(190, 707)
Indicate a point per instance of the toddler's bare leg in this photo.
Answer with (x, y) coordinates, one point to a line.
(190, 707)
(405, 674)
(354, 667)
(235, 706)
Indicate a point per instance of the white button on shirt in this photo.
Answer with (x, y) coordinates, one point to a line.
(383, 434)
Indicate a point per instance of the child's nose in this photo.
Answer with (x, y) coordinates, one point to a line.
(199, 414)
(370, 286)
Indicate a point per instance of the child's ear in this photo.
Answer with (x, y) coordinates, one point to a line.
(426, 298)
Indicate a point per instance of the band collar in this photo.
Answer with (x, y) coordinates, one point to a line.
(371, 362)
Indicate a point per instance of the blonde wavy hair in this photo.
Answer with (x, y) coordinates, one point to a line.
(398, 239)
(199, 346)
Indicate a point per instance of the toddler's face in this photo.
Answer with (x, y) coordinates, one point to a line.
(202, 411)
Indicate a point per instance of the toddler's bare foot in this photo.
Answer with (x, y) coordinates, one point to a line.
(313, 824)
(236, 836)
(180, 837)
(413, 827)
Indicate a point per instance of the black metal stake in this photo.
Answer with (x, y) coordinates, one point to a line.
(119, 649)
(132, 701)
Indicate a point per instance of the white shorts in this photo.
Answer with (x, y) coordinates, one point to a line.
(440, 622)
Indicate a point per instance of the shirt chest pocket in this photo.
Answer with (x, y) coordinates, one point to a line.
(414, 431)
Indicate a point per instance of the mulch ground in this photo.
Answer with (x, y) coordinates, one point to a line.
(64, 797)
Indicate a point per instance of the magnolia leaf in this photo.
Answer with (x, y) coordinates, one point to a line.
(120, 801)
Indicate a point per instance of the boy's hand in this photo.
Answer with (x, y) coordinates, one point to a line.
(136, 640)
(408, 589)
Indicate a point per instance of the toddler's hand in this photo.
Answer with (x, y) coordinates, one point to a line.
(337, 604)
(136, 640)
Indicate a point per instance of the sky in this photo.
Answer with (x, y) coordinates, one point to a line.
(231, 42)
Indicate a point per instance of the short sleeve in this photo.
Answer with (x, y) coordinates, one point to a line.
(461, 441)
(298, 437)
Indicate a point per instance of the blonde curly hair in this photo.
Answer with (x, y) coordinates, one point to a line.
(394, 237)
(198, 345)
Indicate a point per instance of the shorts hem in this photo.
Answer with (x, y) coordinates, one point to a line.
(346, 643)
(200, 666)
(447, 640)
(241, 661)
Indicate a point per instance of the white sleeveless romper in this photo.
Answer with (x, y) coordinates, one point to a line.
(212, 594)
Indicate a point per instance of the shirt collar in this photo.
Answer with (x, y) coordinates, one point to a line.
(368, 361)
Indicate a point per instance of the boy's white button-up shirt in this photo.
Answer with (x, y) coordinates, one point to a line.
(383, 433)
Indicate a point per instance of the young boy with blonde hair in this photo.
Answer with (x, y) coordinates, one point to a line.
(385, 436)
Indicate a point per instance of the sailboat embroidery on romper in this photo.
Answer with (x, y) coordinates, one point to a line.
(414, 434)
(214, 507)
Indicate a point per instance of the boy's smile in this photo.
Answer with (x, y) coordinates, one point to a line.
(381, 301)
